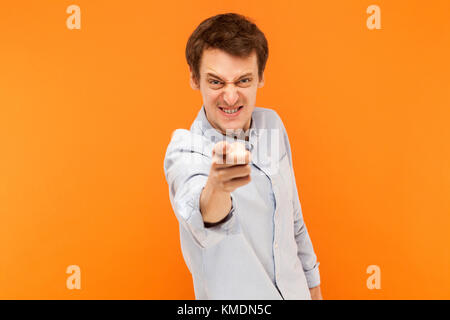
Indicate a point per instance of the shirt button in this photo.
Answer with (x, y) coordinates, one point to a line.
(276, 245)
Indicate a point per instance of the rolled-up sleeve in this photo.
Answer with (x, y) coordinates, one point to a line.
(305, 249)
(186, 168)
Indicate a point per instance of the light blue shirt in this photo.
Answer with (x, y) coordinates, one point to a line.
(263, 250)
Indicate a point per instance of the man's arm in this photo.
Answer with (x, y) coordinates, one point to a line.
(316, 294)
(226, 174)
(186, 169)
(305, 249)
(200, 189)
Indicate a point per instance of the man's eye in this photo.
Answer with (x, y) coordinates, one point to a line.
(215, 82)
(244, 83)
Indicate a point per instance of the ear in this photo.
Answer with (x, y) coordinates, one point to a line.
(193, 82)
(261, 81)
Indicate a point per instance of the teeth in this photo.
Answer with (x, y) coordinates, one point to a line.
(230, 111)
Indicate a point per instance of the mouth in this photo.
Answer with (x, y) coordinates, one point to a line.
(231, 112)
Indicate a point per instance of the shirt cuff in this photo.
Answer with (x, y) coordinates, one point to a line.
(313, 276)
(208, 236)
(228, 217)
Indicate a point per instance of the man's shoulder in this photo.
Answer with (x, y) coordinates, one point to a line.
(267, 118)
(186, 153)
(265, 112)
(188, 142)
(186, 139)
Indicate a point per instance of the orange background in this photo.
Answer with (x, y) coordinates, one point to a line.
(86, 116)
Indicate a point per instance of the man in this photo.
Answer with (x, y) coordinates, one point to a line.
(241, 227)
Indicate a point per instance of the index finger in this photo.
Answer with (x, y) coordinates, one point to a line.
(221, 148)
(231, 159)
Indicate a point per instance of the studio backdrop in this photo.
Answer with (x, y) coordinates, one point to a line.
(91, 91)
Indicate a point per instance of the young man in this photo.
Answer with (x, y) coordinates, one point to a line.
(241, 227)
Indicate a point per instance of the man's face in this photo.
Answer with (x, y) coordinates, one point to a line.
(228, 83)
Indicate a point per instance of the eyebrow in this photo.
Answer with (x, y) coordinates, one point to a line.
(240, 77)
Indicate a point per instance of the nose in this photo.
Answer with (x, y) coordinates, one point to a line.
(230, 95)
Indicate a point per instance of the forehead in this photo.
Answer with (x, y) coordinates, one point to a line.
(227, 66)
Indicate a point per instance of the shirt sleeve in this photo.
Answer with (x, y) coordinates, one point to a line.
(186, 168)
(305, 249)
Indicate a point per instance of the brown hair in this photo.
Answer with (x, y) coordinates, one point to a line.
(230, 32)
